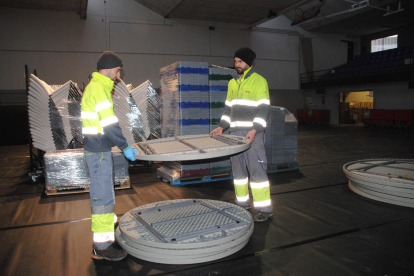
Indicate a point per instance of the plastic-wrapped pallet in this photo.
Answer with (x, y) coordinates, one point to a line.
(185, 169)
(218, 85)
(54, 114)
(137, 111)
(291, 137)
(185, 99)
(67, 170)
(185, 109)
(147, 101)
(281, 136)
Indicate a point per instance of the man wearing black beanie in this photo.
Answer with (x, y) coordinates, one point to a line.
(101, 132)
(246, 111)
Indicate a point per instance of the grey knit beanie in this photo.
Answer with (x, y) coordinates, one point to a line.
(108, 60)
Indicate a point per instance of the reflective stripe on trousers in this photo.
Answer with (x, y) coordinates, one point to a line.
(252, 164)
(101, 191)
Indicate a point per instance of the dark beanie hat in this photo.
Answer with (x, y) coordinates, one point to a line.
(245, 54)
(109, 60)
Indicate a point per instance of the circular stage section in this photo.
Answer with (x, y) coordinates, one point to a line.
(190, 147)
(387, 180)
(184, 231)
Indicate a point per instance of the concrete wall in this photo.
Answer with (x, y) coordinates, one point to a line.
(292, 99)
(328, 50)
(62, 47)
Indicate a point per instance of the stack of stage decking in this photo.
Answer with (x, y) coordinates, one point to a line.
(383, 179)
(184, 231)
(54, 114)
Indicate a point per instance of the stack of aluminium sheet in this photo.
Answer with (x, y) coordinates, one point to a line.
(137, 111)
(54, 114)
(185, 109)
(67, 170)
(218, 85)
(281, 135)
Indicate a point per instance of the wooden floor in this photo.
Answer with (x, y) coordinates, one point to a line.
(320, 227)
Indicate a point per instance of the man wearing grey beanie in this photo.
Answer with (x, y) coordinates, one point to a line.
(101, 132)
(246, 111)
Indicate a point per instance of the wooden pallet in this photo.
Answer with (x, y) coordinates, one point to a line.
(290, 166)
(68, 189)
(192, 179)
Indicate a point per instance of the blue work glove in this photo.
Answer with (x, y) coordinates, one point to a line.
(129, 153)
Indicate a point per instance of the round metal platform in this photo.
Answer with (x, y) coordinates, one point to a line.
(184, 231)
(190, 147)
(386, 180)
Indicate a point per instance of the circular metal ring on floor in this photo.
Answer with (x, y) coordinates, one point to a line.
(380, 197)
(408, 193)
(384, 179)
(184, 231)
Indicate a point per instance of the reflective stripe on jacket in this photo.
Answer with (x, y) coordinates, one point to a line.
(247, 103)
(99, 123)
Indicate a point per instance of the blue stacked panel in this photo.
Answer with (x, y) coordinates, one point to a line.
(184, 110)
(218, 84)
(185, 100)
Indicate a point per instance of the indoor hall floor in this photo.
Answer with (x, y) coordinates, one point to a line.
(320, 227)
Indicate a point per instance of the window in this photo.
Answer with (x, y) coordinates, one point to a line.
(385, 43)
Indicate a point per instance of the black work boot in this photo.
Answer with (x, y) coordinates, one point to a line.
(113, 253)
(262, 216)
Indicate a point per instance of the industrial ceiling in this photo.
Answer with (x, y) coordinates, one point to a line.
(345, 17)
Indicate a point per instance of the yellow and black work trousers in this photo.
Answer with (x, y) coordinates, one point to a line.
(252, 164)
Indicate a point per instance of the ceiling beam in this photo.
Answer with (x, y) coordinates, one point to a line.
(280, 12)
(166, 16)
(83, 8)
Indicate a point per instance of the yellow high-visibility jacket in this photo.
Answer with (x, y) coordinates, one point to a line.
(247, 104)
(99, 124)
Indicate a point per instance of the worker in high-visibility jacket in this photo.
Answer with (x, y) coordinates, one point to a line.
(246, 110)
(101, 132)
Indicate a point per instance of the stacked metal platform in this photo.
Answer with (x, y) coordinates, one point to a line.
(184, 231)
(386, 180)
(54, 114)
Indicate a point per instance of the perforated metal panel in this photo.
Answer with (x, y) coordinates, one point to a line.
(386, 180)
(184, 231)
(190, 147)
